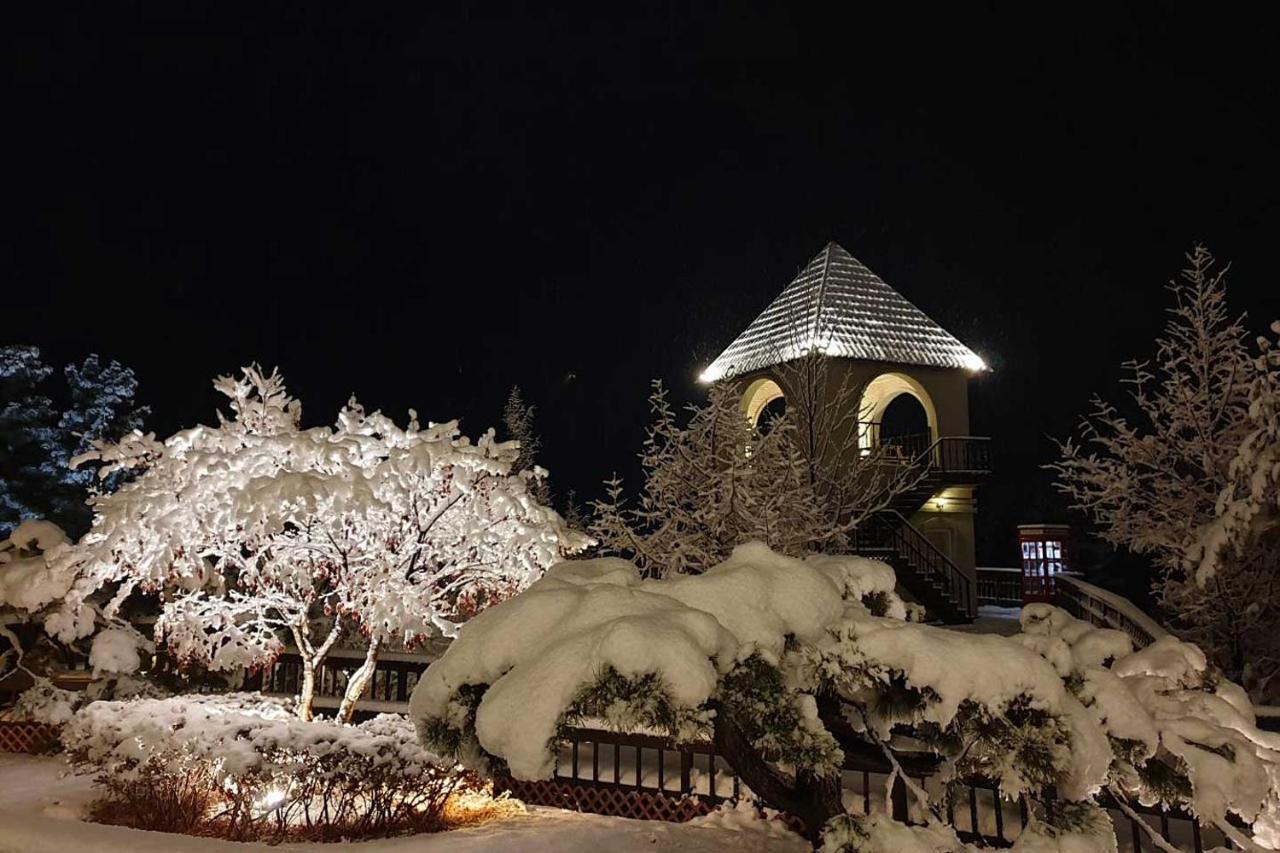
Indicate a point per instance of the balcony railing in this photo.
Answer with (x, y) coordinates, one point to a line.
(956, 454)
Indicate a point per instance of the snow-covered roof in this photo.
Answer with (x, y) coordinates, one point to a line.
(839, 307)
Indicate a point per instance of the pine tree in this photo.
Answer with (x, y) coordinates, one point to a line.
(44, 427)
(1151, 474)
(518, 419)
(28, 432)
(712, 484)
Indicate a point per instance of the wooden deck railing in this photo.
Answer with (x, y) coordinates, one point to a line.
(999, 587)
(652, 778)
(1104, 608)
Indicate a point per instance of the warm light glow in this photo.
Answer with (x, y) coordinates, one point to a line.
(711, 374)
(974, 362)
(270, 800)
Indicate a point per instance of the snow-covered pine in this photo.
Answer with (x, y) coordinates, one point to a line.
(1158, 476)
(711, 485)
(258, 531)
(1239, 550)
(772, 657)
(43, 425)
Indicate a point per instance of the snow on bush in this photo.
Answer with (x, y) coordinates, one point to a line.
(35, 579)
(263, 772)
(764, 653)
(114, 650)
(1181, 735)
(27, 581)
(776, 658)
(257, 532)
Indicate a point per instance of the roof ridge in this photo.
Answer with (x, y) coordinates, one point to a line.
(816, 331)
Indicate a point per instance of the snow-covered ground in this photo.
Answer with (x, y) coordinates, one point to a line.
(40, 809)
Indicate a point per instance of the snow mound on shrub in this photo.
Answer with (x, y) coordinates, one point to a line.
(28, 580)
(538, 649)
(1165, 697)
(114, 650)
(242, 733)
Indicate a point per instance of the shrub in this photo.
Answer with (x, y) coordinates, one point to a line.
(244, 767)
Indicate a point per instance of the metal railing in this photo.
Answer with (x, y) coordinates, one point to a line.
(888, 533)
(953, 454)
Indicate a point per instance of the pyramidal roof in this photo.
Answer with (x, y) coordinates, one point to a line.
(839, 307)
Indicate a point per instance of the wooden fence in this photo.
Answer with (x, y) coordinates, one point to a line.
(999, 587)
(28, 737)
(651, 778)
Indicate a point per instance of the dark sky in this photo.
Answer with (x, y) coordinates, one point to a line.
(428, 205)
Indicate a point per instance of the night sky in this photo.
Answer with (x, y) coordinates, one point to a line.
(428, 206)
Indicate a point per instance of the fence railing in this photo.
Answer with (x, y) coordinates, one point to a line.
(652, 778)
(1104, 608)
(953, 454)
(999, 587)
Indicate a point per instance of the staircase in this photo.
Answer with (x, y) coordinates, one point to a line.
(948, 592)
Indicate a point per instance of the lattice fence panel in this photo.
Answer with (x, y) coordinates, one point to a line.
(28, 737)
(618, 802)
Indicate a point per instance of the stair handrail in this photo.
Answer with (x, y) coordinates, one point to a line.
(929, 546)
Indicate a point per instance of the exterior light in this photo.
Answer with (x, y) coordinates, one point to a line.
(974, 362)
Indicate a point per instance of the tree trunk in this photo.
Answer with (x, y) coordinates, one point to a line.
(308, 692)
(359, 682)
(813, 799)
(312, 658)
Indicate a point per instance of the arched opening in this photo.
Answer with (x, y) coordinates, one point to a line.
(905, 415)
(763, 401)
(884, 398)
(774, 409)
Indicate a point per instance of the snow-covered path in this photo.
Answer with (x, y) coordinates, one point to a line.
(39, 814)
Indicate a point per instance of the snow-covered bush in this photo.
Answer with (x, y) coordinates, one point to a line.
(1182, 736)
(257, 532)
(768, 655)
(776, 659)
(45, 702)
(246, 767)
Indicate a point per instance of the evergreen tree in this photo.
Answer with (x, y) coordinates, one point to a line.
(44, 427)
(1156, 473)
(518, 419)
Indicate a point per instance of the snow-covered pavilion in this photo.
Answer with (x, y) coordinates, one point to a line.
(912, 378)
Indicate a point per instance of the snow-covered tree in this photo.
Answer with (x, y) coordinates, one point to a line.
(1239, 550)
(783, 664)
(799, 482)
(1151, 474)
(257, 531)
(518, 420)
(27, 428)
(43, 426)
(854, 474)
(712, 484)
